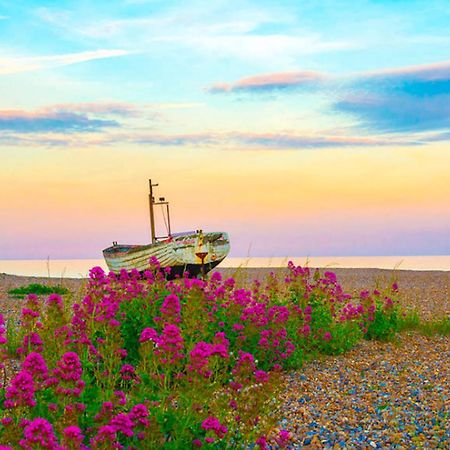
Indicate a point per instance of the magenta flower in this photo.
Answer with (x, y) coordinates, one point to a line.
(56, 300)
(261, 376)
(69, 367)
(139, 415)
(35, 365)
(171, 307)
(199, 357)
(149, 334)
(213, 423)
(327, 336)
(123, 424)
(105, 438)
(21, 391)
(122, 399)
(127, 372)
(262, 443)
(73, 435)
(39, 433)
(283, 438)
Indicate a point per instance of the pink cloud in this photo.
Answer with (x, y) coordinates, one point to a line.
(270, 82)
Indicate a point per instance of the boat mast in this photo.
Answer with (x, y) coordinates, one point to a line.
(151, 201)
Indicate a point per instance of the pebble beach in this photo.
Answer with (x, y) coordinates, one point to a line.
(378, 395)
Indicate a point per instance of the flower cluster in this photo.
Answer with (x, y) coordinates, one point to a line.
(139, 355)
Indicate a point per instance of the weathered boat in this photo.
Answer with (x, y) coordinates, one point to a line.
(195, 252)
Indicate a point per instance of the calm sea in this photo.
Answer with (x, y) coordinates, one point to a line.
(76, 268)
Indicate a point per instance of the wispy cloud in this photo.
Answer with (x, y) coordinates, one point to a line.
(270, 82)
(19, 121)
(13, 64)
(231, 140)
(212, 30)
(120, 109)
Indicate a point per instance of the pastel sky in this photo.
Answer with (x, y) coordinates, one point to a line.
(300, 127)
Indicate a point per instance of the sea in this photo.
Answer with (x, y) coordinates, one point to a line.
(79, 268)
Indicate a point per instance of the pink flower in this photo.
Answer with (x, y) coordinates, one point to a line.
(35, 365)
(55, 299)
(216, 277)
(199, 357)
(122, 399)
(327, 336)
(262, 443)
(69, 367)
(39, 432)
(212, 423)
(306, 330)
(123, 424)
(197, 443)
(139, 415)
(330, 276)
(149, 334)
(127, 371)
(171, 307)
(73, 435)
(21, 391)
(283, 438)
(261, 376)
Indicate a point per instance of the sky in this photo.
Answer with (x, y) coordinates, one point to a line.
(299, 127)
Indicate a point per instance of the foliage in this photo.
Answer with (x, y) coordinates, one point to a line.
(410, 320)
(38, 289)
(141, 362)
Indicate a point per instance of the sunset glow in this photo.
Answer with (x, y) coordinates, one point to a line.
(294, 126)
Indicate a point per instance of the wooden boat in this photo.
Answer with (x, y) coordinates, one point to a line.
(195, 252)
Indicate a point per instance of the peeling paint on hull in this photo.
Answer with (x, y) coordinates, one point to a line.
(186, 252)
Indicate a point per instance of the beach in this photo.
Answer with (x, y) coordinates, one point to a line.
(426, 291)
(378, 395)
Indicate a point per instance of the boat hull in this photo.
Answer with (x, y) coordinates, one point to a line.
(192, 252)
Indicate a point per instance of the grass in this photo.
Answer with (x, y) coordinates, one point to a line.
(38, 289)
(436, 326)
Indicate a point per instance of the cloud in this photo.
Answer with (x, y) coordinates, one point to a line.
(293, 141)
(270, 82)
(215, 30)
(120, 109)
(409, 99)
(19, 121)
(12, 64)
(230, 141)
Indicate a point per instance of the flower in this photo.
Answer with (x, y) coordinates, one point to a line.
(213, 423)
(69, 367)
(72, 434)
(35, 365)
(123, 424)
(148, 334)
(283, 438)
(261, 376)
(21, 391)
(40, 432)
(171, 307)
